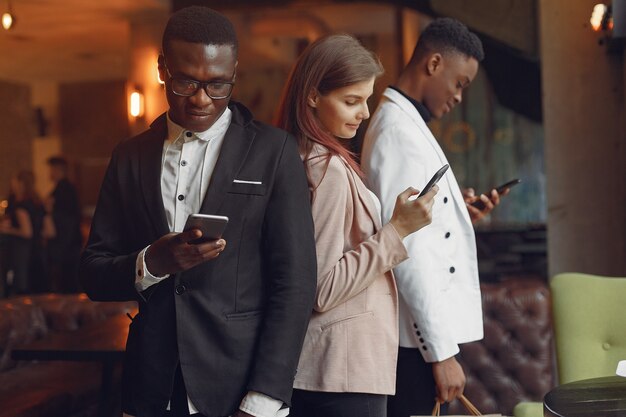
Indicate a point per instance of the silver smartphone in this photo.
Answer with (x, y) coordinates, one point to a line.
(211, 226)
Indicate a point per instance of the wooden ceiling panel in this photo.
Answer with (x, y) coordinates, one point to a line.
(70, 40)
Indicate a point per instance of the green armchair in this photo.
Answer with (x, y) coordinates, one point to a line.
(589, 325)
(589, 315)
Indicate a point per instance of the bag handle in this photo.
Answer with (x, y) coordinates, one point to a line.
(436, 409)
(466, 403)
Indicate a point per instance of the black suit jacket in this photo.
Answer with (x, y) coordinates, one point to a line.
(236, 323)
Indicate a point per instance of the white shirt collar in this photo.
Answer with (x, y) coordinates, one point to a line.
(175, 131)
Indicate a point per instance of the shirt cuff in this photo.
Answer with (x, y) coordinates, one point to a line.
(143, 278)
(261, 405)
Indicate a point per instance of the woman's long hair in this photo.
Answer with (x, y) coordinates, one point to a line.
(331, 62)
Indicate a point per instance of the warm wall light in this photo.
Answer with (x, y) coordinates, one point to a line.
(609, 20)
(601, 17)
(136, 104)
(8, 18)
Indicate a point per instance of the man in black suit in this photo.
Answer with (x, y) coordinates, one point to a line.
(220, 323)
(64, 248)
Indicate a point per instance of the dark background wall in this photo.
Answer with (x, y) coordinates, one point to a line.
(16, 132)
(93, 120)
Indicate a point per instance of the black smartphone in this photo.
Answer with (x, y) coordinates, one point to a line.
(434, 180)
(509, 184)
(210, 225)
(500, 189)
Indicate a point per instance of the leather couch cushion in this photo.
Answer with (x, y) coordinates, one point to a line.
(21, 321)
(514, 362)
(49, 389)
(66, 313)
(46, 386)
(36, 402)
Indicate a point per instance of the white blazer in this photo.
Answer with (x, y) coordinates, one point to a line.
(440, 304)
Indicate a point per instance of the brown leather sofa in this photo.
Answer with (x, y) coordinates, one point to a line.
(49, 388)
(513, 363)
(515, 360)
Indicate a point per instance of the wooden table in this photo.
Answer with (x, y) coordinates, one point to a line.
(598, 397)
(103, 341)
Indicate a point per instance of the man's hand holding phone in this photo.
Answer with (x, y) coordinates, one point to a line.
(200, 242)
(480, 206)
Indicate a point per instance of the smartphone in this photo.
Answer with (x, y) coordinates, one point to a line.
(434, 180)
(503, 187)
(210, 225)
(500, 189)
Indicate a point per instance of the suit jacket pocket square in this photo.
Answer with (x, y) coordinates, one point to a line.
(247, 182)
(247, 187)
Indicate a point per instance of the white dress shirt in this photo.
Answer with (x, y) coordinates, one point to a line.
(187, 165)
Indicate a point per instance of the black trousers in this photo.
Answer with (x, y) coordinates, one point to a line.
(178, 402)
(337, 404)
(415, 386)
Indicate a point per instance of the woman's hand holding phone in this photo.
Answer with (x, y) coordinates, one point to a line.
(411, 214)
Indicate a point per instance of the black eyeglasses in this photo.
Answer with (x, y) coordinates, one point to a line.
(216, 90)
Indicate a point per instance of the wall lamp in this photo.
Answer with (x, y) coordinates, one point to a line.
(601, 18)
(8, 18)
(136, 106)
(610, 20)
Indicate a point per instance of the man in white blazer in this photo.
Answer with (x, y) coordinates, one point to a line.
(440, 303)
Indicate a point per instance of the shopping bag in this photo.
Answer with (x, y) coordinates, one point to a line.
(468, 406)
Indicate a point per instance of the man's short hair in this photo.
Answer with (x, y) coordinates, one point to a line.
(199, 24)
(445, 35)
(57, 161)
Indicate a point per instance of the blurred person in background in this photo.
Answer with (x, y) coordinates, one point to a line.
(4, 249)
(26, 225)
(64, 248)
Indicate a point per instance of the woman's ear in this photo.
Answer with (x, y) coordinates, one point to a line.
(312, 98)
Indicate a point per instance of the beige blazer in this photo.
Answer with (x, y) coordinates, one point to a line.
(352, 339)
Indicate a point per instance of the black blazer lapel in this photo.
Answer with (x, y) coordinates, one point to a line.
(150, 155)
(233, 154)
